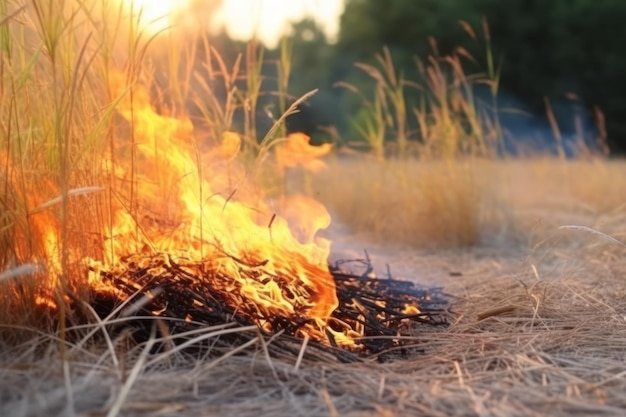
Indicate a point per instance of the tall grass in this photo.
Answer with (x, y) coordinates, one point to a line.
(54, 121)
(451, 119)
(60, 134)
(438, 202)
(440, 196)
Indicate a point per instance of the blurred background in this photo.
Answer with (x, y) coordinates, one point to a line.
(561, 57)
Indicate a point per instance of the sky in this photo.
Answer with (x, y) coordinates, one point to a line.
(271, 18)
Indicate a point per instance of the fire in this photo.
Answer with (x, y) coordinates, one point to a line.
(200, 214)
(296, 150)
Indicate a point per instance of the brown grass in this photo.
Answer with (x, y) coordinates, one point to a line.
(537, 327)
(404, 201)
(440, 203)
(558, 350)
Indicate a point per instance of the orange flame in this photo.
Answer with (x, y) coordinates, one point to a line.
(207, 223)
(296, 151)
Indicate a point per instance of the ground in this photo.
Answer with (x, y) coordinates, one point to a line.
(537, 327)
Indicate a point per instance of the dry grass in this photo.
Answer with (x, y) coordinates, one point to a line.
(552, 302)
(439, 203)
(557, 350)
(538, 327)
(405, 201)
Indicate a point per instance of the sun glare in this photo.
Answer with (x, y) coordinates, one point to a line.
(242, 19)
(269, 19)
(156, 16)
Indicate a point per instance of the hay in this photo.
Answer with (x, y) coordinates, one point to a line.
(557, 349)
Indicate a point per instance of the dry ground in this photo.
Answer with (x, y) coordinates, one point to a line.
(538, 319)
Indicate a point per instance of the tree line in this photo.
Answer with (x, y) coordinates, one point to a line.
(556, 63)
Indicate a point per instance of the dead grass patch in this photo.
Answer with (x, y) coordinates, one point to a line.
(558, 350)
(437, 203)
(407, 202)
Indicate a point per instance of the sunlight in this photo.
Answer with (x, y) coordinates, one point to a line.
(242, 19)
(156, 16)
(270, 19)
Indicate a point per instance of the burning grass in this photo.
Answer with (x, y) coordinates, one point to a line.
(376, 314)
(167, 192)
(558, 350)
(104, 170)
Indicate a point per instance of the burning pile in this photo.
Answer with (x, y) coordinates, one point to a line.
(370, 315)
(196, 245)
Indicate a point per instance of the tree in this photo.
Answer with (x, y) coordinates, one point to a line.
(550, 49)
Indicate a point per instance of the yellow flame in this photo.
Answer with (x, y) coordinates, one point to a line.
(211, 224)
(296, 150)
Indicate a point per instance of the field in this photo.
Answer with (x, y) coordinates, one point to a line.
(536, 316)
(116, 142)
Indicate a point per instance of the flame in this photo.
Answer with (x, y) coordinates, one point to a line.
(203, 214)
(297, 151)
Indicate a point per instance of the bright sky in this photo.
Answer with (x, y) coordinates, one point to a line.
(269, 19)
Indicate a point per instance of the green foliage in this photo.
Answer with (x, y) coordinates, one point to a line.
(449, 119)
(560, 49)
(369, 124)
